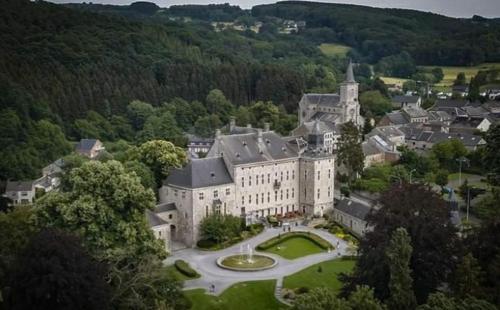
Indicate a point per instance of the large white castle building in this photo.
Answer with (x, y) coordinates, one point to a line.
(253, 172)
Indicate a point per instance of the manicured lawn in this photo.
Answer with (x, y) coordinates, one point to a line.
(331, 49)
(311, 277)
(295, 247)
(241, 296)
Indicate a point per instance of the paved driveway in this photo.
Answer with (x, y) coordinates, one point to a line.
(204, 262)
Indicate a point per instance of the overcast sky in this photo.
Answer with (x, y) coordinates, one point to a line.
(457, 8)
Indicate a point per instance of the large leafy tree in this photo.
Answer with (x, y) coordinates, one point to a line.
(104, 205)
(163, 127)
(161, 156)
(491, 158)
(350, 152)
(218, 104)
(374, 103)
(220, 228)
(55, 272)
(439, 301)
(447, 153)
(400, 284)
(425, 216)
(325, 299)
(466, 280)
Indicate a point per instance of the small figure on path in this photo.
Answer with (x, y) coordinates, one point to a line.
(289, 228)
(212, 288)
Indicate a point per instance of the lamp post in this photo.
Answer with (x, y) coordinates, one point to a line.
(460, 161)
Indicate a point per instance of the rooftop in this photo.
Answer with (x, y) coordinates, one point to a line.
(199, 173)
(153, 219)
(165, 207)
(409, 99)
(355, 209)
(325, 100)
(86, 144)
(19, 186)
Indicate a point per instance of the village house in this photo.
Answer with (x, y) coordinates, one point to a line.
(20, 192)
(352, 215)
(399, 102)
(90, 148)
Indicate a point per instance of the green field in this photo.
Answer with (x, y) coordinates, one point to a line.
(450, 73)
(311, 277)
(393, 80)
(295, 247)
(242, 296)
(331, 49)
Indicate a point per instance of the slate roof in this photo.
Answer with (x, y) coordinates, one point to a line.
(199, 173)
(415, 112)
(153, 219)
(355, 209)
(246, 148)
(386, 131)
(19, 186)
(86, 144)
(308, 127)
(324, 100)
(438, 137)
(165, 207)
(397, 118)
(467, 123)
(369, 149)
(409, 99)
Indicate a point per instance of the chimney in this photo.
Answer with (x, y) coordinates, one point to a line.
(232, 123)
(249, 125)
(267, 126)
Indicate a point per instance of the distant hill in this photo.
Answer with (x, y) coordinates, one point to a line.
(376, 32)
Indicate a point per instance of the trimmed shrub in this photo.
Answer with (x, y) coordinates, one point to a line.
(184, 268)
(302, 290)
(322, 243)
(206, 243)
(319, 226)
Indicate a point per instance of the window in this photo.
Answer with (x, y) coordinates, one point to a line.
(287, 193)
(262, 179)
(201, 196)
(328, 191)
(206, 210)
(293, 174)
(243, 182)
(225, 208)
(228, 191)
(319, 174)
(268, 197)
(318, 193)
(242, 200)
(293, 192)
(305, 174)
(275, 195)
(287, 175)
(216, 194)
(256, 199)
(268, 178)
(217, 209)
(170, 216)
(249, 181)
(329, 173)
(281, 176)
(262, 198)
(257, 180)
(183, 194)
(249, 198)
(281, 194)
(175, 193)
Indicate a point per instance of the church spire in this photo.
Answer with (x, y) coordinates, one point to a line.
(349, 78)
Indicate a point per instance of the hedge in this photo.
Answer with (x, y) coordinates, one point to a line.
(184, 268)
(322, 243)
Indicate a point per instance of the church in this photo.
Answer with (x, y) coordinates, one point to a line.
(253, 173)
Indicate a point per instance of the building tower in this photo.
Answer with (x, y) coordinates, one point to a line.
(349, 98)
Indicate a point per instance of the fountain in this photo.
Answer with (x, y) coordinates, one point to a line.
(246, 260)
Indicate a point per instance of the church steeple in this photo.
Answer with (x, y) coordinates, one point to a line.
(349, 78)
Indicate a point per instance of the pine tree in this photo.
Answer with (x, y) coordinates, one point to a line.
(467, 277)
(400, 284)
(350, 152)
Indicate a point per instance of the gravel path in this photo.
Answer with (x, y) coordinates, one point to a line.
(204, 262)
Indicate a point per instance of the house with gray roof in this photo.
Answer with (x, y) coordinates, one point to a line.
(399, 102)
(90, 148)
(352, 215)
(20, 192)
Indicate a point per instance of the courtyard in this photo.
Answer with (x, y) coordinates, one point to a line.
(216, 287)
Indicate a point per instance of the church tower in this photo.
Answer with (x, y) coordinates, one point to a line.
(349, 98)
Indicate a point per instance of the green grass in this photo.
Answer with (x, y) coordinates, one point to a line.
(295, 247)
(311, 278)
(242, 296)
(450, 73)
(393, 80)
(331, 49)
(455, 176)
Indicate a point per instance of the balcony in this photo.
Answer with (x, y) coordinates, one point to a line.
(277, 184)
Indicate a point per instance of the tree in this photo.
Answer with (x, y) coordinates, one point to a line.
(488, 207)
(467, 277)
(350, 152)
(375, 103)
(441, 178)
(424, 215)
(363, 299)
(55, 272)
(491, 158)
(162, 127)
(207, 125)
(138, 112)
(438, 74)
(220, 228)
(142, 171)
(320, 298)
(447, 153)
(161, 156)
(460, 80)
(400, 284)
(106, 206)
(439, 301)
(219, 105)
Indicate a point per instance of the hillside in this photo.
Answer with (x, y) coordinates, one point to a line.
(376, 33)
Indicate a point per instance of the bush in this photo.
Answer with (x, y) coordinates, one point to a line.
(302, 290)
(344, 190)
(335, 229)
(322, 243)
(319, 226)
(320, 269)
(326, 217)
(206, 243)
(184, 268)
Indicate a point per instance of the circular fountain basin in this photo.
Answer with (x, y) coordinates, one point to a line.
(238, 262)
